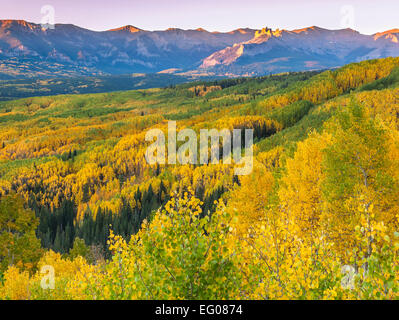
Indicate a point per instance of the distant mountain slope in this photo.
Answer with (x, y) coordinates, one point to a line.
(124, 50)
(28, 50)
(305, 49)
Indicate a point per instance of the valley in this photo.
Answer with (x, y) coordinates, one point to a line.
(322, 193)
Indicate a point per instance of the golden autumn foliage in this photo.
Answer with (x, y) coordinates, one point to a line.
(317, 218)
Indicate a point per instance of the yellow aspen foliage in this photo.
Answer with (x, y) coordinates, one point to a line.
(19, 285)
(300, 192)
(276, 264)
(359, 173)
(64, 272)
(251, 198)
(317, 218)
(179, 255)
(15, 285)
(377, 272)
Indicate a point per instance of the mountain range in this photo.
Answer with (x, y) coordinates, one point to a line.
(29, 50)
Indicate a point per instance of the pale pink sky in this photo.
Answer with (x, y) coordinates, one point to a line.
(369, 16)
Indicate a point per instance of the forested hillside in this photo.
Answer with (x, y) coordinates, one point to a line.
(32, 87)
(77, 193)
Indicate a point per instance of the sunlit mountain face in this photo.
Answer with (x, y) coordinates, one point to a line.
(29, 50)
(304, 49)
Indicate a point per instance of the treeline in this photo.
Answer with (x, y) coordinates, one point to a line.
(59, 227)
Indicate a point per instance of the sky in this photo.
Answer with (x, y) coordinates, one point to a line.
(366, 16)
